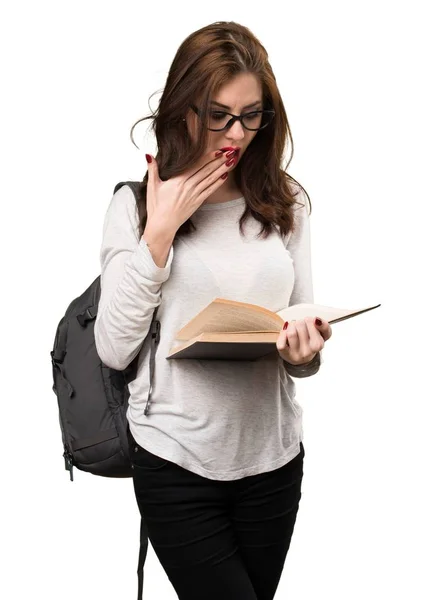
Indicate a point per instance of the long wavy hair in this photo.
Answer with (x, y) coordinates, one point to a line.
(207, 59)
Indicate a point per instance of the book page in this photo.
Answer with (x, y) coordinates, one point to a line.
(329, 313)
(228, 315)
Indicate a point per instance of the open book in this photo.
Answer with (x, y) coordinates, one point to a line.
(230, 330)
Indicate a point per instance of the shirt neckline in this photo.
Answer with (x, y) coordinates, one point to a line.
(221, 205)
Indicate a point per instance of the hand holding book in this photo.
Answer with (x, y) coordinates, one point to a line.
(300, 341)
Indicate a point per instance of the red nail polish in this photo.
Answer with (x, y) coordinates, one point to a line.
(219, 153)
(285, 326)
(224, 176)
(230, 154)
(318, 321)
(230, 162)
(149, 158)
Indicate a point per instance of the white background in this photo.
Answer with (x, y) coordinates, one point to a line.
(359, 83)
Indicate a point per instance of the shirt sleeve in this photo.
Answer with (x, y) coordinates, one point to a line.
(130, 284)
(299, 248)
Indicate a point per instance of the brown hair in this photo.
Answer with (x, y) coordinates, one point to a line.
(206, 60)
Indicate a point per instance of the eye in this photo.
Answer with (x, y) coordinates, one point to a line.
(253, 115)
(217, 115)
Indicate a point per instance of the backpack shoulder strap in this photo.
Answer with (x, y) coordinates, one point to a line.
(130, 372)
(142, 557)
(134, 185)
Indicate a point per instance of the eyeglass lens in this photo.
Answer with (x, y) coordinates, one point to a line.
(251, 120)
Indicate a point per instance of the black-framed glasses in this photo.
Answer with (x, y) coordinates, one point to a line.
(218, 120)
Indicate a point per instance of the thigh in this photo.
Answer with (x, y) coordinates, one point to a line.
(264, 517)
(190, 529)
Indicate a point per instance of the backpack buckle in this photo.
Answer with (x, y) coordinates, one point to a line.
(156, 326)
(57, 359)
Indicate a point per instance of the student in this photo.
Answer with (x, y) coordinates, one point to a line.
(217, 452)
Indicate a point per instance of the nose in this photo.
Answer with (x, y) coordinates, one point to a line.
(235, 132)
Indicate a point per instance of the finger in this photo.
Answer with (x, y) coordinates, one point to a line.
(153, 175)
(316, 340)
(202, 197)
(324, 329)
(211, 161)
(292, 338)
(282, 340)
(218, 175)
(303, 337)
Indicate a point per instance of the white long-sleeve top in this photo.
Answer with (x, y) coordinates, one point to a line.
(223, 420)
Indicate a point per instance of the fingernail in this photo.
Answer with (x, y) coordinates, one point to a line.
(149, 158)
(318, 321)
(219, 153)
(224, 176)
(285, 326)
(230, 162)
(230, 153)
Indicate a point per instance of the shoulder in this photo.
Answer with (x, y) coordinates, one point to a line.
(122, 211)
(300, 198)
(300, 212)
(123, 199)
(300, 202)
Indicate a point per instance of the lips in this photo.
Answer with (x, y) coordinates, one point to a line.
(236, 149)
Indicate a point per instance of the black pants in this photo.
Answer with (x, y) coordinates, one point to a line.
(221, 540)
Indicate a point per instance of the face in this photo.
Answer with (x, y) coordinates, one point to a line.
(242, 94)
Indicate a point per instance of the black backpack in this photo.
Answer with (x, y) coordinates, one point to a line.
(93, 398)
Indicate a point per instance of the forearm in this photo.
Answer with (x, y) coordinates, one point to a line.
(127, 304)
(159, 241)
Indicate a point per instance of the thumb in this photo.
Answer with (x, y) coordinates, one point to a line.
(152, 169)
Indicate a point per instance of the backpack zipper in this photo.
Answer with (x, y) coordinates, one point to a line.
(68, 460)
(68, 456)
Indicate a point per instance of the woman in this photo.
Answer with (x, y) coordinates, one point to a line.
(218, 453)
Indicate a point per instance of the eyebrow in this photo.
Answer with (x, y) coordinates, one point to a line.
(229, 107)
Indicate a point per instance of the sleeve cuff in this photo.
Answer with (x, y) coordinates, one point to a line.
(305, 370)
